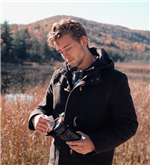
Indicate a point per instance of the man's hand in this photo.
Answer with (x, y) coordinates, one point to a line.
(82, 146)
(41, 122)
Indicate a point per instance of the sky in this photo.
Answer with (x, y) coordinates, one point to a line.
(133, 14)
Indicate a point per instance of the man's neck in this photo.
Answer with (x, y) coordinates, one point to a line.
(88, 60)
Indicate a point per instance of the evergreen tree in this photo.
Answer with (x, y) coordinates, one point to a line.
(6, 41)
(21, 45)
(45, 52)
(35, 50)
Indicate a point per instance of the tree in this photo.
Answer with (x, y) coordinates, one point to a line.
(21, 44)
(35, 50)
(45, 52)
(6, 41)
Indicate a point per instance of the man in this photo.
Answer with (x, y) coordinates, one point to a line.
(94, 97)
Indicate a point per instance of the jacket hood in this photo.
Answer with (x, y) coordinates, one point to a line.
(104, 60)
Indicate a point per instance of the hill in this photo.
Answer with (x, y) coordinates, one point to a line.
(121, 43)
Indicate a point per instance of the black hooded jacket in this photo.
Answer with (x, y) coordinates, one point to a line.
(101, 104)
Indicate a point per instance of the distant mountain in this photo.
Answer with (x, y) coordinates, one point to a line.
(123, 44)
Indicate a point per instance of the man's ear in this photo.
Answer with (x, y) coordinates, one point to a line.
(84, 41)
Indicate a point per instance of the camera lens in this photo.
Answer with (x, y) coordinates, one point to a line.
(59, 126)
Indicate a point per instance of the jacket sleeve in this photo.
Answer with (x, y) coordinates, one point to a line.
(124, 119)
(45, 107)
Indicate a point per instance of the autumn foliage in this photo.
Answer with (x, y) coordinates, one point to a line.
(29, 41)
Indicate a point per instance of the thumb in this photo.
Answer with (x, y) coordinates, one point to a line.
(81, 133)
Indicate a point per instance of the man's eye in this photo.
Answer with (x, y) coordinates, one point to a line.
(69, 48)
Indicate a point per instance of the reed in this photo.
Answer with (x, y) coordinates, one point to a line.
(136, 151)
(20, 146)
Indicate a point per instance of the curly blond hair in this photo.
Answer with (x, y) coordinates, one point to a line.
(66, 26)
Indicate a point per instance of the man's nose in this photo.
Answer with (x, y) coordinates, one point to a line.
(65, 55)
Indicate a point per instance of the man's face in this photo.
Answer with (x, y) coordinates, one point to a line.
(72, 51)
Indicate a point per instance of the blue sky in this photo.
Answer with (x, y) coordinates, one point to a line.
(131, 14)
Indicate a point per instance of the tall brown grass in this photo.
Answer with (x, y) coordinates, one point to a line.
(20, 146)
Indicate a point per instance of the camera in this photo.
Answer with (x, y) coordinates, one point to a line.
(64, 131)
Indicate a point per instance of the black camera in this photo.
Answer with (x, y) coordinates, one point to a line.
(64, 131)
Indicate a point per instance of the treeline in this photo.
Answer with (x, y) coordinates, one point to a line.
(121, 43)
(28, 42)
(20, 47)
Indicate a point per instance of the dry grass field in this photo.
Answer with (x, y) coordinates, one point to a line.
(20, 146)
(137, 71)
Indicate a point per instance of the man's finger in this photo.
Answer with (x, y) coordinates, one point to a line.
(42, 124)
(42, 131)
(74, 143)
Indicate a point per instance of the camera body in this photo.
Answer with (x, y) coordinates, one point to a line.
(64, 131)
